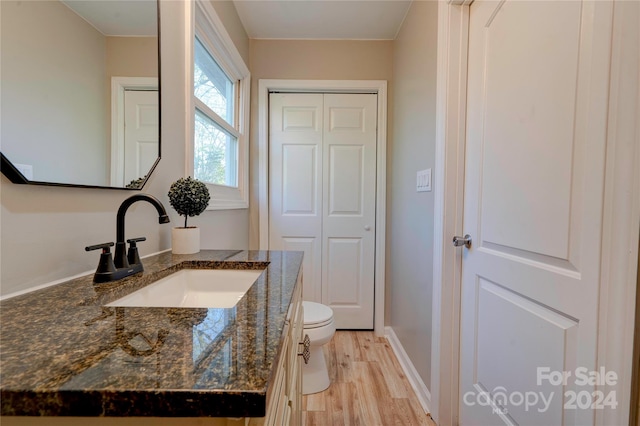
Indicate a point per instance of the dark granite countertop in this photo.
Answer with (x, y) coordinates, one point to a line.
(63, 353)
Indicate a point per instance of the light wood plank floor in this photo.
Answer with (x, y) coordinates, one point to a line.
(368, 386)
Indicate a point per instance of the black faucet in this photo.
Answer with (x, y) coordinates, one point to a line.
(120, 259)
(124, 264)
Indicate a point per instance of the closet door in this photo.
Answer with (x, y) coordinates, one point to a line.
(295, 182)
(349, 195)
(322, 171)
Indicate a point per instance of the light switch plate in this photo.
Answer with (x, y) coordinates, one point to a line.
(423, 181)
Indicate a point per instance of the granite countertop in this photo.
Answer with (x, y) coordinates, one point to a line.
(63, 353)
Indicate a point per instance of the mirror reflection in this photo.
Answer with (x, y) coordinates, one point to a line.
(80, 90)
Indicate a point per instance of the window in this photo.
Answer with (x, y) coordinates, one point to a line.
(219, 112)
(215, 152)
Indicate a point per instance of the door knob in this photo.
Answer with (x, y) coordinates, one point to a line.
(462, 241)
(367, 228)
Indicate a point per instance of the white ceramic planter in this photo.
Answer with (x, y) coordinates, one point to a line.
(185, 240)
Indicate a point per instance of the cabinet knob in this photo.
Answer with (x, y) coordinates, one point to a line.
(306, 349)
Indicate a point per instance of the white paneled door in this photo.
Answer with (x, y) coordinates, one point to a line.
(534, 174)
(322, 177)
(141, 136)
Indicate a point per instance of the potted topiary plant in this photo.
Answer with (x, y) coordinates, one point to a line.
(189, 197)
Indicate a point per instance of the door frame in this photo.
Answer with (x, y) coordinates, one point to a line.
(620, 227)
(118, 86)
(379, 87)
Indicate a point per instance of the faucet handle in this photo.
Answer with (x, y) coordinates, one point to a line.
(103, 246)
(132, 255)
(106, 268)
(133, 241)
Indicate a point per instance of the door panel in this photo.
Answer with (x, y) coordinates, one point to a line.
(301, 118)
(344, 265)
(299, 180)
(534, 173)
(141, 132)
(346, 119)
(349, 176)
(295, 182)
(533, 336)
(346, 177)
(311, 248)
(528, 127)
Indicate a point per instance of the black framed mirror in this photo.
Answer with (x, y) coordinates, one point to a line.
(80, 92)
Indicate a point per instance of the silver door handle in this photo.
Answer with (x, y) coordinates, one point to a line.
(367, 228)
(462, 241)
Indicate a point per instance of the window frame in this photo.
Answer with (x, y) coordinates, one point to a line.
(207, 26)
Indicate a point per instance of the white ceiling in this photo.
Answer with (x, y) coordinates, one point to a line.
(322, 19)
(118, 17)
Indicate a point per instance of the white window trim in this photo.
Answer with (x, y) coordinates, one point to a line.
(205, 23)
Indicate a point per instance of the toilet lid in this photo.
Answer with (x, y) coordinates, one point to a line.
(316, 313)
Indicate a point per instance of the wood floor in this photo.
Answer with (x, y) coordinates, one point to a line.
(368, 386)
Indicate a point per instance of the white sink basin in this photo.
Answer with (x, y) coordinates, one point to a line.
(194, 288)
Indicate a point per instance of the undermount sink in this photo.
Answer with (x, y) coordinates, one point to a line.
(194, 288)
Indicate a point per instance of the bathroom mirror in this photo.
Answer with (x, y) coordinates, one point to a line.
(80, 92)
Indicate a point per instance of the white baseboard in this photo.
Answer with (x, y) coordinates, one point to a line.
(420, 389)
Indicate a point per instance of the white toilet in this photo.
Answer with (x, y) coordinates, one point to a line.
(319, 326)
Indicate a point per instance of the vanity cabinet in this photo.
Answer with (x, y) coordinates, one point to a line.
(284, 402)
(263, 341)
(284, 406)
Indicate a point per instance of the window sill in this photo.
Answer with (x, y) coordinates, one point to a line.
(226, 198)
(227, 205)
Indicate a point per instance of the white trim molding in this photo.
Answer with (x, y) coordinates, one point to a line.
(205, 23)
(621, 214)
(417, 384)
(453, 23)
(334, 86)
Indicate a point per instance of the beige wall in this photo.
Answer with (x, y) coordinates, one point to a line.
(312, 60)
(44, 230)
(410, 213)
(132, 57)
(53, 69)
(229, 16)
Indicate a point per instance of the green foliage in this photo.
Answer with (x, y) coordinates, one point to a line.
(213, 146)
(210, 151)
(189, 197)
(136, 183)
